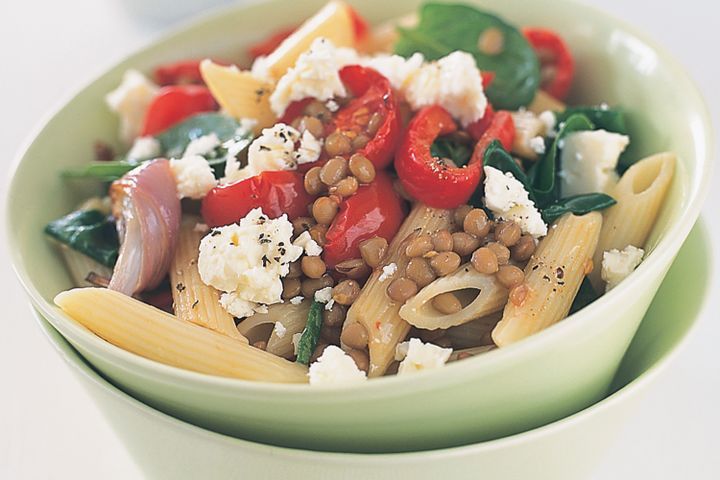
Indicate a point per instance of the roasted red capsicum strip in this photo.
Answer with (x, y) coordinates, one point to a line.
(556, 62)
(375, 210)
(502, 128)
(175, 103)
(184, 72)
(422, 175)
(276, 192)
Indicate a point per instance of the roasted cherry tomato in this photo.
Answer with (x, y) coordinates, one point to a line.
(375, 210)
(556, 62)
(422, 175)
(175, 103)
(275, 192)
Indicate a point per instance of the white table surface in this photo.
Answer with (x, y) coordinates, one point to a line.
(49, 428)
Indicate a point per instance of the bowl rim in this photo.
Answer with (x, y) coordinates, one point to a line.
(667, 247)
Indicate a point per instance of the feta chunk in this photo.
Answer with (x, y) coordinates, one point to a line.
(315, 75)
(324, 295)
(453, 82)
(193, 176)
(311, 247)
(130, 101)
(297, 300)
(144, 148)
(618, 264)
(279, 329)
(275, 150)
(423, 356)
(549, 119)
(388, 271)
(401, 350)
(398, 70)
(588, 160)
(507, 198)
(202, 145)
(537, 144)
(247, 261)
(335, 367)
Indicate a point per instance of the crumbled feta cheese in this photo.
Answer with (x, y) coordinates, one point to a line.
(309, 149)
(247, 125)
(324, 295)
(387, 271)
(144, 148)
(401, 350)
(332, 105)
(315, 75)
(311, 247)
(398, 70)
(538, 145)
(279, 329)
(548, 118)
(275, 150)
(202, 145)
(131, 100)
(237, 307)
(247, 260)
(453, 82)
(193, 176)
(297, 300)
(507, 198)
(335, 367)
(588, 160)
(385, 333)
(423, 356)
(618, 264)
(296, 341)
(329, 305)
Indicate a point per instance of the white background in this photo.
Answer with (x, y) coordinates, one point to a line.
(48, 426)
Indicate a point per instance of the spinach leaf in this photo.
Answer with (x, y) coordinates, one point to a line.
(445, 28)
(174, 140)
(585, 296)
(610, 119)
(89, 232)
(103, 171)
(457, 151)
(577, 204)
(544, 172)
(496, 156)
(311, 334)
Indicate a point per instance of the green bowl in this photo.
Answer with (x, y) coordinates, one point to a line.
(549, 376)
(165, 447)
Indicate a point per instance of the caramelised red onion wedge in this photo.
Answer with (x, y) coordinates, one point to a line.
(146, 206)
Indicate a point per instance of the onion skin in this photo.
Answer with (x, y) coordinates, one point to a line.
(147, 209)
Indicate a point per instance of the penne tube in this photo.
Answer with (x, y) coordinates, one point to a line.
(552, 278)
(80, 266)
(146, 331)
(544, 101)
(640, 194)
(377, 312)
(489, 297)
(239, 93)
(333, 21)
(193, 301)
(292, 319)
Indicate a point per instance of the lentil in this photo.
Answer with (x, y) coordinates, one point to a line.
(484, 261)
(337, 143)
(313, 267)
(346, 292)
(355, 336)
(313, 184)
(442, 241)
(445, 263)
(501, 252)
(507, 233)
(418, 270)
(476, 223)
(324, 210)
(362, 168)
(419, 246)
(464, 243)
(373, 250)
(401, 289)
(510, 276)
(333, 171)
(447, 303)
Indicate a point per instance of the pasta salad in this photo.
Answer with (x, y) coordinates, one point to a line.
(356, 201)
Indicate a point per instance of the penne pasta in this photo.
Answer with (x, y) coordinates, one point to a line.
(553, 276)
(292, 319)
(146, 331)
(377, 312)
(640, 194)
(239, 93)
(193, 301)
(489, 297)
(544, 101)
(80, 266)
(333, 21)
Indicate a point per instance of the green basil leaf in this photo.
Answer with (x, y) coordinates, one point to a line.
(103, 171)
(175, 140)
(578, 205)
(610, 119)
(311, 333)
(544, 172)
(457, 151)
(89, 232)
(445, 28)
(585, 296)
